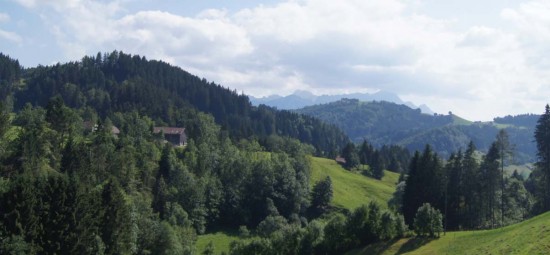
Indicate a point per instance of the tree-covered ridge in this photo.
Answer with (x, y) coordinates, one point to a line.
(388, 123)
(378, 122)
(119, 82)
(521, 120)
(10, 73)
(68, 189)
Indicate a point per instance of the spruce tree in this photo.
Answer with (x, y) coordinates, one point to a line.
(542, 137)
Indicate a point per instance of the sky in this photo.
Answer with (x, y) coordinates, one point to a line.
(478, 59)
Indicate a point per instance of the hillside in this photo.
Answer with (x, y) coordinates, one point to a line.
(119, 82)
(350, 191)
(353, 189)
(388, 123)
(528, 237)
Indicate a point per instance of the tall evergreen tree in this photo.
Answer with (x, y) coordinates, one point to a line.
(377, 166)
(542, 137)
(350, 154)
(506, 151)
(455, 191)
(425, 183)
(471, 186)
(491, 180)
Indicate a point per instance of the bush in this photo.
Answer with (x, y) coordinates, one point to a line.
(271, 224)
(428, 221)
(322, 193)
(244, 232)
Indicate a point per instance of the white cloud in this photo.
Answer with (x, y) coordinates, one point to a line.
(479, 71)
(7, 35)
(10, 36)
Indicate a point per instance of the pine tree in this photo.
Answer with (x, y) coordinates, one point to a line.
(506, 151)
(377, 166)
(542, 137)
(491, 179)
(425, 183)
(471, 187)
(350, 154)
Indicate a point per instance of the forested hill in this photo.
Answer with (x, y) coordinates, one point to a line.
(388, 123)
(119, 82)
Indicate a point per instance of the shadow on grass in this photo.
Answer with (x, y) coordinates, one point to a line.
(376, 248)
(413, 244)
(396, 246)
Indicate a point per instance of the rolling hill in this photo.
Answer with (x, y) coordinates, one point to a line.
(389, 123)
(529, 237)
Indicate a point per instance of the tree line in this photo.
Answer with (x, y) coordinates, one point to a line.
(389, 157)
(474, 191)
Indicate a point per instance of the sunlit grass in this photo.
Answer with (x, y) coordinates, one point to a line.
(352, 189)
(528, 237)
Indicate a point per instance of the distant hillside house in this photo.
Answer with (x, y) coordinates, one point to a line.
(340, 160)
(173, 135)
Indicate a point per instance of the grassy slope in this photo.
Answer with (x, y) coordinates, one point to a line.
(350, 191)
(220, 239)
(460, 121)
(528, 237)
(353, 189)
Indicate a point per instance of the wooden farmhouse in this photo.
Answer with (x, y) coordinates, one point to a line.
(173, 135)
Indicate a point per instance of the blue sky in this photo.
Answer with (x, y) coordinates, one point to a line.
(478, 59)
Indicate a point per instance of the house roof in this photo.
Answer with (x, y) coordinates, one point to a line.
(169, 130)
(340, 159)
(115, 130)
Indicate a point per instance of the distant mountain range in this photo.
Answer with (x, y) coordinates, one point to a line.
(381, 122)
(302, 98)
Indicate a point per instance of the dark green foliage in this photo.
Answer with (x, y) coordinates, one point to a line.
(10, 75)
(349, 153)
(384, 123)
(209, 250)
(521, 120)
(321, 194)
(542, 137)
(270, 225)
(70, 188)
(473, 195)
(396, 202)
(119, 82)
(428, 221)
(377, 166)
(365, 225)
(355, 117)
(336, 239)
(425, 183)
(93, 192)
(392, 158)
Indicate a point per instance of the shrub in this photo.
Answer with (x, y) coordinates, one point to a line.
(428, 221)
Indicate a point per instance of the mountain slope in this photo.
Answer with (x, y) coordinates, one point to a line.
(119, 82)
(528, 237)
(379, 122)
(388, 123)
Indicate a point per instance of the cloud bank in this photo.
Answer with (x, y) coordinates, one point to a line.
(478, 72)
